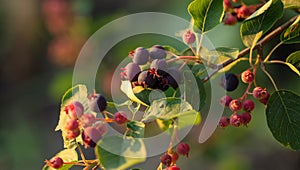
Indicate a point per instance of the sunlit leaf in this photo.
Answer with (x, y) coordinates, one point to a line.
(292, 33)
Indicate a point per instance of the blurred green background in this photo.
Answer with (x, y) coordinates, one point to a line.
(39, 44)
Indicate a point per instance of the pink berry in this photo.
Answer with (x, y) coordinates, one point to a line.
(183, 149)
(189, 37)
(55, 162)
(225, 100)
(243, 12)
(247, 76)
(101, 127)
(224, 122)
(166, 159)
(172, 168)
(259, 92)
(120, 117)
(246, 118)
(71, 134)
(74, 110)
(265, 99)
(236, 120)
(227, 4)
(230, 19)
(71, 124)
(90, 136)
(235, 105)
(248, 105)
(87, 119)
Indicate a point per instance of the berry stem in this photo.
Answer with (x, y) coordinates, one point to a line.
(270, 77)
(81, 154)
(194, 52)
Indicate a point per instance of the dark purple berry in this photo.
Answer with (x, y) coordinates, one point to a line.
(97, 102)
(246, 118)
(265, 99)
(224, 122)
(229, 82)
(147, 80)
(225, 100)
(157, 52)
(248, 105)
(166, 159)
(235, 105)
(141, 56)
(160, 66)
(236, 120)
(183, 149)
(131, 71)
(120, 117)
(90, 136)
(173, 78)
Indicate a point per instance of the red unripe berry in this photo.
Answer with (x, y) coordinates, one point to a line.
(247, 76)
(74, 110)
(227, 4)
(71, 134)
(224, 122)
(235, 105)
(246, 118)
(120, 117)
(265, 99)
(87, 119)
(230, 19)
(183, 149)
(189, 37)
(55, 162)
(172, 168)
(236, 120)
(243, 12)
(166, 159)
(71, 124)
(259, 92)
(225, 100)
(248, 105)
(90, 136)
(174, 156)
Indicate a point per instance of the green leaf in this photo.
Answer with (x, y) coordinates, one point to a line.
(232, 53)
(188, 118)
(283, 118)
(294, 59)
(292, 67)
(137, 129)
(171, 49)
(166, 108)
(291, 3)
(206, 14)
(292, 34)
(260, 22)
(127, 89)
(116, 152)
(68, 155)
(194, 91)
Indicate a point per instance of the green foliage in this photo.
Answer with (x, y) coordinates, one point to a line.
(137, 129)
(291, 3)
(292, 34)
(206, 14)
(260, 22)
(294, 59)
(283, 117)
(116, 152)
(127, 89)
(68, 155)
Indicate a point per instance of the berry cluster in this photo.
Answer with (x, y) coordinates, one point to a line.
(237, 11)
(246, 106)
(170, 158)
(157, 75)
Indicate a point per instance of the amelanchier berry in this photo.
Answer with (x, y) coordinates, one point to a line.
(147, 79)
(74, 110)
(247, 76)
(173, 77)
(157, 52)
(101, 127)
(71, 124)
(227, 5)
(225, 100)
(235, 105)
(120, 117)
(87, 119)
(230, 19)
(265, 99)
(166, 159)
(246, 118)
(189, 37)
(229, 82)
(174, 156)
(172, 168)
(236, 120)
(141, 56)
(224, 122)
(55, 162)
(90, 136)
(131, 71)
(159, 65)
(243, 12)
(71, 134)
(248, 105)
(259, 92)
(97, 102)
(183, 149)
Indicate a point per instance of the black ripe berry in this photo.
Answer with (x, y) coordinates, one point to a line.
(159, 65)
(229, 82)
(131, 71)
(147, 79)
(141, 56)
(97, 102)
(173, 77)
(157, 52)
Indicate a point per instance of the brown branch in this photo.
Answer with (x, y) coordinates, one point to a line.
(244, 52)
